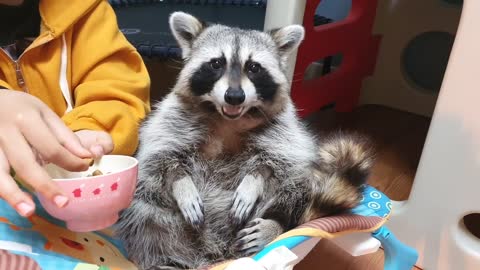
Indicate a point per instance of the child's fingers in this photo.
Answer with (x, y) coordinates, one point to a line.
(15, 197)
(66, 137)
(105, 141)
(47, 145)
(20, 157)
(97, 151)
(99, 143)
(39, 158)
(10, 191)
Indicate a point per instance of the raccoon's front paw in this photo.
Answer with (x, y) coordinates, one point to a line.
(192, 209)
(189, 201)
(245, 197)
(256, 235)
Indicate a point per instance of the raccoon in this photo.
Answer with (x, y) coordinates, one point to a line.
(225, 165)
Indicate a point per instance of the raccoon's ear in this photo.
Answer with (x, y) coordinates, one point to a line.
(185, 29)
(288, 38)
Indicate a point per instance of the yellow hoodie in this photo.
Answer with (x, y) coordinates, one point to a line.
(85, 70)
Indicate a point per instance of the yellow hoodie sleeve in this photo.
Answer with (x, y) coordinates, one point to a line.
(110, 82)
(4, 85)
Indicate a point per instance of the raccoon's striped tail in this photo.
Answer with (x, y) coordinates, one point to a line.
(348, 156)
(342, 168)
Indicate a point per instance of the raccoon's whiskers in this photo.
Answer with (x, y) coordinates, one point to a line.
(174, 67)
(297, 80)
(264, 115)
(181, 62)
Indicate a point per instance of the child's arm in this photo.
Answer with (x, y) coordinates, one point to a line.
(110, 82)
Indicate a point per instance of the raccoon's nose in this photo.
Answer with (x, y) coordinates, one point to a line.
(234, 96)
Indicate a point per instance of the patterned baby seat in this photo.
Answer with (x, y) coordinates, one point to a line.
(43, 243)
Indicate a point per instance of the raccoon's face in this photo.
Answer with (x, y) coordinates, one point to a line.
(237, 71)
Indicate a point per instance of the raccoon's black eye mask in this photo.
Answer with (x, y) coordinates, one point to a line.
(253, 67)
(217, 63)
(204, 78)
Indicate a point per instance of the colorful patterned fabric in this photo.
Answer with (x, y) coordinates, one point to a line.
(42, 242)
(373, 203)
(45, 241)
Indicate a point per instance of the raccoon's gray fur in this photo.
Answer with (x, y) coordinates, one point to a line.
(225, 164)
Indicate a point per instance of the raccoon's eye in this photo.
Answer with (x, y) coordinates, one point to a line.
(253, 67)
(216, 63)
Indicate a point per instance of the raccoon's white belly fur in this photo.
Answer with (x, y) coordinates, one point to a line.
(153, 228)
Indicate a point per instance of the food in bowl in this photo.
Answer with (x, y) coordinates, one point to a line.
(96, 197)
(96, 173)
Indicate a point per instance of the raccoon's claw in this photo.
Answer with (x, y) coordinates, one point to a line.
(256, 235)
(245, 198)
(193, 212)
(242, 207)
(189, 201)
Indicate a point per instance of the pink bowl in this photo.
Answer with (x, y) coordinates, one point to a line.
(94, 201)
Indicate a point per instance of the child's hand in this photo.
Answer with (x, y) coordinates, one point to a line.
(99, 143)
(26, 124)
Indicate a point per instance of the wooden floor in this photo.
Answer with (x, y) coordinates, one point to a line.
(399, 139)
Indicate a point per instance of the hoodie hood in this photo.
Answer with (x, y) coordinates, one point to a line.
(59, 15)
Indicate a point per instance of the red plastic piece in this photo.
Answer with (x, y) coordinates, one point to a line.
(352, 37)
